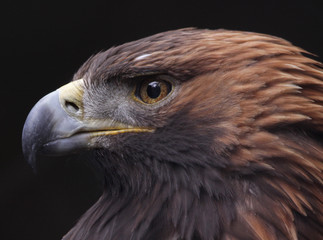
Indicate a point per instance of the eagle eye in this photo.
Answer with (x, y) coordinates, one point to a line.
(151, 91)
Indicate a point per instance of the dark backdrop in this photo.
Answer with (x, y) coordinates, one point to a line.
(44, 43)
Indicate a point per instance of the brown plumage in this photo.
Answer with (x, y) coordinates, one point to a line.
(236, 151)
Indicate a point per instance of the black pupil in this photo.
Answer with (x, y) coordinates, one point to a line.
(153, 90)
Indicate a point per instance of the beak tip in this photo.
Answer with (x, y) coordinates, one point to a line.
(32, 133)
(46, 128)
(28, 150)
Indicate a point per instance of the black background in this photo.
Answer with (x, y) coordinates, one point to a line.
(44, 43)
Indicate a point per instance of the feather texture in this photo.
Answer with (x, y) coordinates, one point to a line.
(237, 153)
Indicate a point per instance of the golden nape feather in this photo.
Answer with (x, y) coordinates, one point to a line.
(200, 134)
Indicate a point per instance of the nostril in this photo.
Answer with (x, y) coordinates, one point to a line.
(71, 107)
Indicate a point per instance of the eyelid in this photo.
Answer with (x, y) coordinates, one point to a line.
(164, 86)
(147, 79)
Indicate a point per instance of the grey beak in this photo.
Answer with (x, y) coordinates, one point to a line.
(49, 130)
(56, 125)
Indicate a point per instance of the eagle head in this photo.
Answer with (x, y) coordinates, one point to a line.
(200, 134)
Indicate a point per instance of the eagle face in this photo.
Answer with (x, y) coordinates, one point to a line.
(200, 134)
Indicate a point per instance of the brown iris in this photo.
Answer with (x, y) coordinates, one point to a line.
(152, 91)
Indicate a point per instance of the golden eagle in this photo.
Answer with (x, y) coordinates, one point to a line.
(200, 134)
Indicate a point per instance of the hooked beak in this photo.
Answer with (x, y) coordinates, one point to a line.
(56, 125)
